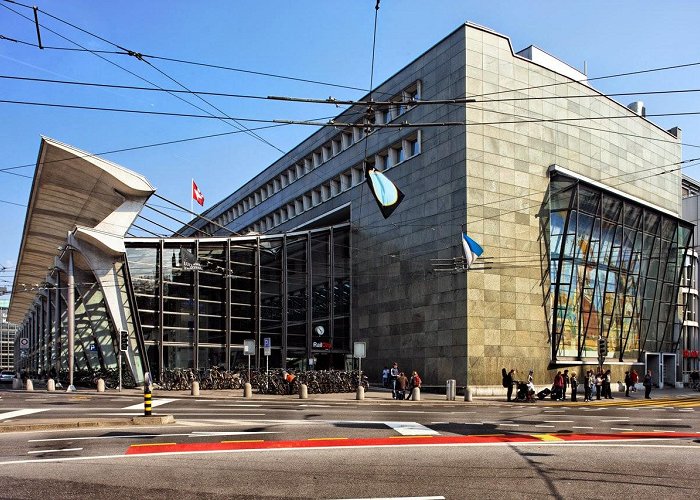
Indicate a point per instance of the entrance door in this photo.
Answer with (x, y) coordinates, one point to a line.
(652, 361)
(668, 363)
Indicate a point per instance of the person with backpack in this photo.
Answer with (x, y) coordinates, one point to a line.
(401, 384)
(414, 383)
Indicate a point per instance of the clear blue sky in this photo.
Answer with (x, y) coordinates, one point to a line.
(321, 40)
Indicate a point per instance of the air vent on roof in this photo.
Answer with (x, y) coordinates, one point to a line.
(638, 107)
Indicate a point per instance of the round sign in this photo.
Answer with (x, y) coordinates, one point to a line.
(24, 342)
(319, 330)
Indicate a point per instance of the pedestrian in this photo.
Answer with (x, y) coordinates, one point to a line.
(401, 384)
(574, 386)
(289, 378)
(385, 377)
(588, 383)
(598, 384)
(530, 387)
(647, 385)
(566, 384)
(635, 378)
(414, 383)
(607, 389)
(628, 384)
(558, 387)
(508, 382)
(393, 375)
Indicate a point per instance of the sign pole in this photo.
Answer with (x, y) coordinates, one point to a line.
(120, 370)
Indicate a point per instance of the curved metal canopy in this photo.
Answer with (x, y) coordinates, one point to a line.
(71, 188)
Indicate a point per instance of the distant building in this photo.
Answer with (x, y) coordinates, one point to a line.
(689, 347)
(559, 184)
(7, 337)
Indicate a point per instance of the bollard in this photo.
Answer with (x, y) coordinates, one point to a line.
(360, 395)
(146, 401)
(451, 389)
(17, 384)
(467, 394)
(50, 385)
(303, 392)
(100, 385)
(415, 394)
(195, 388)
(29, 385)
(248, 391)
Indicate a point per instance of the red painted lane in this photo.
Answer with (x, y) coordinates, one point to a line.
(398, 441)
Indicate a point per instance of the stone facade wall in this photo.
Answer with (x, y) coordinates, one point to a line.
(507, 183)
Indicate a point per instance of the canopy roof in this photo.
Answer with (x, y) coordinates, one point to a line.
(70, 188)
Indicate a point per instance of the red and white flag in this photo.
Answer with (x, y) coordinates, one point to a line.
(197, 194)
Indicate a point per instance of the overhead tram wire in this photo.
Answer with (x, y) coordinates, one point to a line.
(146, 230)
(125, 52)
(159, 225)
(196, 229)
(135, 54)
(206, 219)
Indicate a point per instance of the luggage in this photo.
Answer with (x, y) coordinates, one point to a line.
(543, 394)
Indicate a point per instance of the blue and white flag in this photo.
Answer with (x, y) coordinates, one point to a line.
(471, 250)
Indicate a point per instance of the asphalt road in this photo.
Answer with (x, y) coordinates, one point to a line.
(289, 448)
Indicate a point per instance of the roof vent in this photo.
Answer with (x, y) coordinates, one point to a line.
(638, 107)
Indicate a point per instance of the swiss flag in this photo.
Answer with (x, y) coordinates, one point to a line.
(197, 194)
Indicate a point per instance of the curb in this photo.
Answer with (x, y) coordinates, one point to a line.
(88, 423)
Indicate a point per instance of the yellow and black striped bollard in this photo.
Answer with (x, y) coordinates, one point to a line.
(147, 401)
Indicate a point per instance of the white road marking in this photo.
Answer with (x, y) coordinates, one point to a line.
(510, 425)
(580, 427)
(19, 413)
(620, 429)
(411, 429)
(553, 411)
(396, 498)
(668, 419)
(237, 406)
(558, 421)
(691, 409)
(439, 423)
(154, 403)
(547, 426)
(193, 434)
(616, 420)
(53, 451)
(316, 406)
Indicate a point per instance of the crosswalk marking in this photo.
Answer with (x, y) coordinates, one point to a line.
(19, 413)
(411, 429)
(154, 403)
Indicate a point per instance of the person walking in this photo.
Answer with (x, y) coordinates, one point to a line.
(647, 385)
(574, 386)
(385, 377)
(628, 384)
(566, 384)
(393, 376)
(414, 383)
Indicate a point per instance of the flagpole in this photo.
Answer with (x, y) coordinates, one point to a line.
(192, 199)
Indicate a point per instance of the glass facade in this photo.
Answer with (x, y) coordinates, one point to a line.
(198, 300)
(615, 269)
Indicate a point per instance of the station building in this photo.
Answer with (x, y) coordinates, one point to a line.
(572, 195)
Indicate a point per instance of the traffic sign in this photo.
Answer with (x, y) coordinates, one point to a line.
(24, 343)
(267, 342)
(249, 347)
(360, 349)
(123, 340)
(92, 347)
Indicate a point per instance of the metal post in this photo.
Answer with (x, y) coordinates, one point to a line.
(71, 320)
(249, 369)
(267, 373)
(119, 361)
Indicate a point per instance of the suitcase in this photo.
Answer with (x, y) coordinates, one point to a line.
(543, 394)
